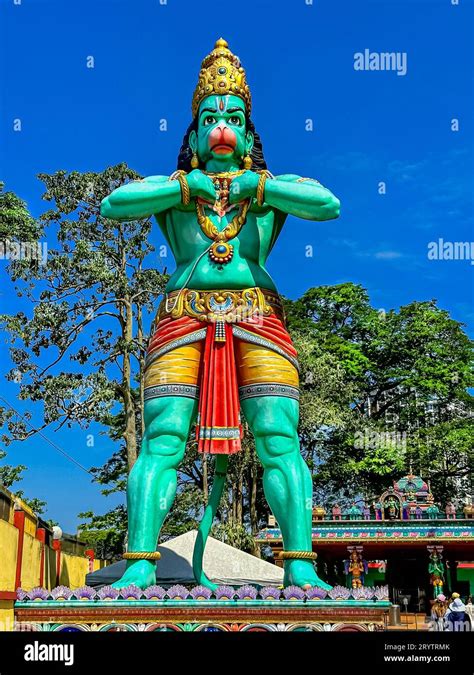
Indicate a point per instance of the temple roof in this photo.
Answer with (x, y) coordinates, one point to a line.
(379, 538)
(411, 483)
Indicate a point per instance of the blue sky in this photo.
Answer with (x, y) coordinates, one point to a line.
(368, 127)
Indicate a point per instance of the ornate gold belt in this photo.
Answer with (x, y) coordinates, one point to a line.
(220, 305)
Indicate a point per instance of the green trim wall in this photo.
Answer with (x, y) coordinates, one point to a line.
(374, 577)
(467, 574)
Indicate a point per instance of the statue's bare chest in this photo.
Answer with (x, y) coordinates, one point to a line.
(186, 234)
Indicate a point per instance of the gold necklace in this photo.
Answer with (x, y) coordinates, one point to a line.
(224, 174)
(221, 251)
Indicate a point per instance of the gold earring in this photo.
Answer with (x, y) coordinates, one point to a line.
(194, 161)
(247, 162)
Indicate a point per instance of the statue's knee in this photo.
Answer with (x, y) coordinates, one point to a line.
(164, 437)
(277, 445)
(165, 445)
(274, 424)
(167, 424)
(275, 439)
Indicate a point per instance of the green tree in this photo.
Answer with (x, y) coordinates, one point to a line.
(400, 372)
(86, 329)
(447, 448)
(105, 533)
(10, 474)
(88, 307)
(16, 222)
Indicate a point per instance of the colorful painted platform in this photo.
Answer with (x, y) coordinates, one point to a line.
(180, 609)
(191, 615)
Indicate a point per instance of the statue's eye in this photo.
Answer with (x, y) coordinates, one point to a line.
(235, 120)
(209, 120)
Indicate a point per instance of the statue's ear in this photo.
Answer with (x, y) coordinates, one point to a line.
(249, 141)
(193, 140)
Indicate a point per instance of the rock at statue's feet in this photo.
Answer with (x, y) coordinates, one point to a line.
(141, 573)
(302, 573)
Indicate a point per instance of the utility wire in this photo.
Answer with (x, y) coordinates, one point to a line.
(45, 438)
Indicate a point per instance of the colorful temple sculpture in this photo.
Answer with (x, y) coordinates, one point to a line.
(410, 497)
(355, 568)
(436, 569)
(219, 349)
(404, 540)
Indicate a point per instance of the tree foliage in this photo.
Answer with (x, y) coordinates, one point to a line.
(104, 533)
(88, 304)
(404, 376)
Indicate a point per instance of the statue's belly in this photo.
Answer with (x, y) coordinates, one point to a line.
(239, 273)
(195, 269)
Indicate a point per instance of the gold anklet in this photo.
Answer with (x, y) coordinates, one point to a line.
(298, 555)
(142, 555)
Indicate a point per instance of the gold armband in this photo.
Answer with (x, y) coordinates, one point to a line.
(180, 176)
(261, 186)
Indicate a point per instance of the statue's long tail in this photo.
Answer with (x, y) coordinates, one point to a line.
(220, 474)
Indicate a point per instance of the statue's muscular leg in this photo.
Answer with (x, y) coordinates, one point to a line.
(286, 480)
(152, 481)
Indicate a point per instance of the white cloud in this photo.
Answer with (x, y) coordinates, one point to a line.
(387, 255)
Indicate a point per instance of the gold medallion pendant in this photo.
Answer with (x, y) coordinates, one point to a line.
(221, 252)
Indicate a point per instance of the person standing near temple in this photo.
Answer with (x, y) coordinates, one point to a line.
(438, 611)
(456, 614)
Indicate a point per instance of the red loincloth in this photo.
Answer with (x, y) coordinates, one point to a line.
(219, 428)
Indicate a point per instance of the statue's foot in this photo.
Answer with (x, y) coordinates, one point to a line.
(207, 583)
(141, 573)
(302, 573)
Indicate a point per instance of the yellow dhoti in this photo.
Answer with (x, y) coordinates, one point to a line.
(220, 357)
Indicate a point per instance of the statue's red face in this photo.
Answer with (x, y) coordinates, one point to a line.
(221, 132)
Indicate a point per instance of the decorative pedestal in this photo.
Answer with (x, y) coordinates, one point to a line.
(202, 615)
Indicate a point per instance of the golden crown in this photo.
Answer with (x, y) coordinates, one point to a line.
(221, 73)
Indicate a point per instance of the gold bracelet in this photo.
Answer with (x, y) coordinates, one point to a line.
(180, 176)
(142, 555)
(261, 188)
(303, 180)
(298, 555)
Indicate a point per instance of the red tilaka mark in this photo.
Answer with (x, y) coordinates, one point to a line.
(221, 105)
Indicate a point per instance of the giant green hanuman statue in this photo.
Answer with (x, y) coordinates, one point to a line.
(219, 346)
